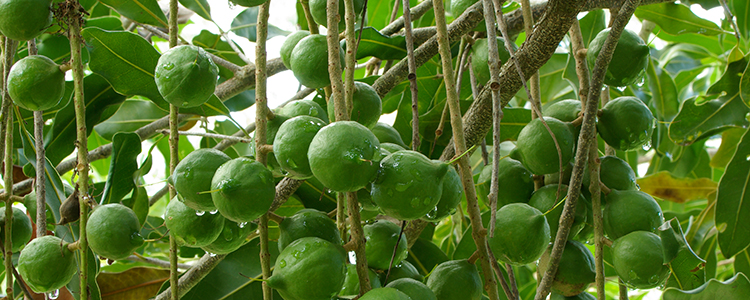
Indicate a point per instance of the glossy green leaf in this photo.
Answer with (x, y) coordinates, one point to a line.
(733, 201)
(246, 23)
(57, 48)
(664, 145)
(126, 60)
(200, 7)
(131, 115)
(141, 11)
(695, 122)
(98, 95)
(591, 24)
(693, 163)
(735, 288)
(212, 107)
(105, 22)
(375, 44)
(235, 277)
(677, 19)
(685, 265)
(741, 11)
(664, 95)
(120, 181)
(729, 140)
(708, 253)
(717, 44)
(138, 202)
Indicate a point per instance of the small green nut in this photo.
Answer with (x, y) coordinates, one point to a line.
(381, 238)
(626, 123)
(243, 189)
(113, 231)
(186, 76)
(190, 227)
(21, 228)
(231, 238)
(23, 20)
(36, 83)
(47, 264)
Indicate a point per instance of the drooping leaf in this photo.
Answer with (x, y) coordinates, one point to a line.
(374, 43)
(141, 11)
(425, 255)
(135, 283)
(591, 24)
(246, 24)
(138, 202)
(677, 19)
(120, 181)
(729, 140)
(679, 190)
(686, 266)
(98, 95)
(695, 122)
(733, 201)
(126, 60)
(200, 7)
(741, 10)
(735, 288)
(745, 87)
(131, 115)
(708, 253)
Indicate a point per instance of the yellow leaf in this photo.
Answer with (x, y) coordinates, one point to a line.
(679, 190)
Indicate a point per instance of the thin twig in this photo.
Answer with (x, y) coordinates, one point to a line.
(262, 115)
(156, 262)
(174, 156)
(584, 142)
(412, 75)
(460, 147)
(193, 276)
(623, 290)
(308, 17)
(582, 70)
(729, 16)
(210, 135)
(9, 50)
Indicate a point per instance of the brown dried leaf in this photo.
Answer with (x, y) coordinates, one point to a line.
(133, 284)
(679, 190)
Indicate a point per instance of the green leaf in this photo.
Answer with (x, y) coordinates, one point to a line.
(729, 140)
(200, 7)
(57, 48)
(679, 190)
(677, 19)
(745, 86)
(693, 163)
(686, 266)
(742, 262)
(131, 115)
(120, 181)
(664, 96)
(741, 10)
(246, 23)
(373, 43)
(141, 11)
(732, 198)
(126, 60)
(591, 24)
(736, 288)
(98, 95)
(717, 44)
(695, 122)
(106, 23)
(212, 107)
(235, 277)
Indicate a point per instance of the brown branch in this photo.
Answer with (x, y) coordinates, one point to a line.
(584, 142)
